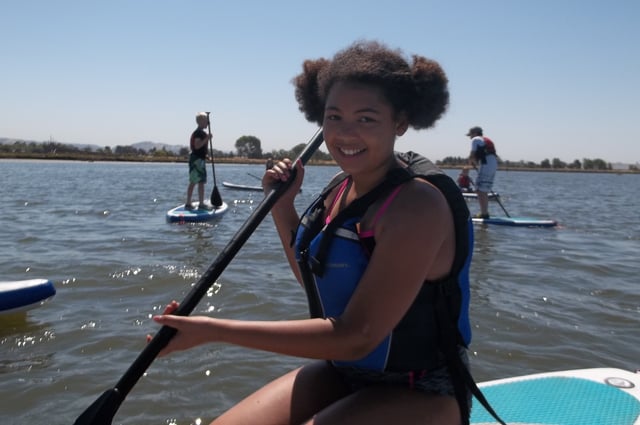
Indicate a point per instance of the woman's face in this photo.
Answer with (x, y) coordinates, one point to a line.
(360, 127)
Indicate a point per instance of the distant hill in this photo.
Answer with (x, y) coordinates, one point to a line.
(145, 145)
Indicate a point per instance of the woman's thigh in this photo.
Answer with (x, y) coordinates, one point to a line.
(291, 399)
(390, 405)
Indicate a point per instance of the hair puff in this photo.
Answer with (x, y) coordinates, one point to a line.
(419, 90)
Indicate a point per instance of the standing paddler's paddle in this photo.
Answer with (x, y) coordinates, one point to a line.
(255, 177)
(102, 411)
(216, 199)
(497, 198)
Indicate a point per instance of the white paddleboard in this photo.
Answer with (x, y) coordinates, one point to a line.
(474, 195)
(599, 396)
(516, 221)
(242, 186)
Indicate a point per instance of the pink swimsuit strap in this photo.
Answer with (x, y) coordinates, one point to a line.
(343, 186)
(381, 210)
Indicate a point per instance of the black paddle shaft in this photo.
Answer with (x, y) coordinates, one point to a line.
(213, 167)
(216, 199)
(101, 412)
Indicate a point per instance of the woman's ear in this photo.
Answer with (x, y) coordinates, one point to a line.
(402, 124)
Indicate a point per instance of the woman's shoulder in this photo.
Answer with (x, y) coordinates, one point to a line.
(419, 195)
(418, 212)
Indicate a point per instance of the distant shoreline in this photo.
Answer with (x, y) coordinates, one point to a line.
(249, 161)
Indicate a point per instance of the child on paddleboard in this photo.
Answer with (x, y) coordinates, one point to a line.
(464, 180)
(199, 145)
(387, 284)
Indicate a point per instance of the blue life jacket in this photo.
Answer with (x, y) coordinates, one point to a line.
(332, 260)
(437, 323)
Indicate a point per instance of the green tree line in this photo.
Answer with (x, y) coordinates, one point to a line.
(247, 147)
(546, 164)
(250, 147)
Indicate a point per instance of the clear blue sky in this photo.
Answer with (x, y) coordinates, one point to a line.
(545, 79)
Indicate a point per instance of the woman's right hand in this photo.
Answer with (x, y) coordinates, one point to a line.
(191, 331)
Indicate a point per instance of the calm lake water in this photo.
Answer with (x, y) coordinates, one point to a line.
(542, 299)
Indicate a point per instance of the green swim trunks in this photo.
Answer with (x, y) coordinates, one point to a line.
(197, 170)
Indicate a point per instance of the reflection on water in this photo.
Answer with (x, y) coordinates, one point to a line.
(22, 341)
(24, 364)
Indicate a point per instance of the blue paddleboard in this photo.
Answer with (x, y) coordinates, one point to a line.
(599, 396)
(22, 295)
(181, 215)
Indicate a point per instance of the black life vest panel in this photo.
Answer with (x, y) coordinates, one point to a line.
(202, 151)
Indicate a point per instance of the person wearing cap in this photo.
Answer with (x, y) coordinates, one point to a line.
(483, 158)
(197, 161)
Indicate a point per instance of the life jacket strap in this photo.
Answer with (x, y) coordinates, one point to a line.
(356, 208)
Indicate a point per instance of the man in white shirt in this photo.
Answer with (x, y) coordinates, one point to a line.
(483, 158)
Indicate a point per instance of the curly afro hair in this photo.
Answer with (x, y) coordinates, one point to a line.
(418, 89)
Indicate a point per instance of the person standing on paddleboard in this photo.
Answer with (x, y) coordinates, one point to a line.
(483, 158)
(389, 308)
(198, 144)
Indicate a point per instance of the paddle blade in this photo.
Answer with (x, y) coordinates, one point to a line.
(216, 199)
(102, 411)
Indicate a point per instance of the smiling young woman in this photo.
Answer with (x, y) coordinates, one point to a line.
(374, 253)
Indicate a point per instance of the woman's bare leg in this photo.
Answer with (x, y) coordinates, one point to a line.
(390, 405)
(290, 399)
